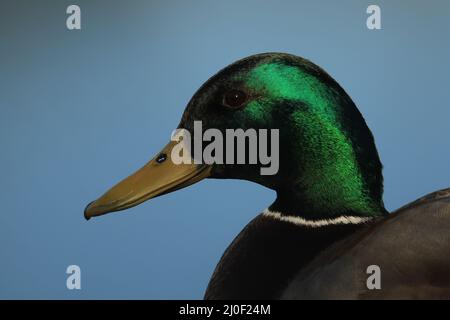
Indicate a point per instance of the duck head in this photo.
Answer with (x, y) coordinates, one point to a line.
(327, 164)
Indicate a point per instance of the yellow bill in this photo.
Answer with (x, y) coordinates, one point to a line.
(157, 177)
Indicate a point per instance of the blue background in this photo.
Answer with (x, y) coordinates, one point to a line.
(80, 110)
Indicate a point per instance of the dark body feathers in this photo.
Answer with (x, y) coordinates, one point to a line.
(275, 259)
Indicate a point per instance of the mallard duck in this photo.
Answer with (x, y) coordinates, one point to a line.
(328, 226)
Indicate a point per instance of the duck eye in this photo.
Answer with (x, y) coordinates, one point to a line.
(234, 98)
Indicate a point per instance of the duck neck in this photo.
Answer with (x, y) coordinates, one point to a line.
(268, 254)
(326, 173)
(322, 201)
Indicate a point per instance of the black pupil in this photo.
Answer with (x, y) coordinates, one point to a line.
(235, 98)
(161, 158)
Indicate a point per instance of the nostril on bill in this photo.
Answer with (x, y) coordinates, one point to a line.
(161, 158)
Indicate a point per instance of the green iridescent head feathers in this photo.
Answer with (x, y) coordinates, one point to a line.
(329, 164)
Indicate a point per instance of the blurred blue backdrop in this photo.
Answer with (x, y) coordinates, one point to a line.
(80, 110)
